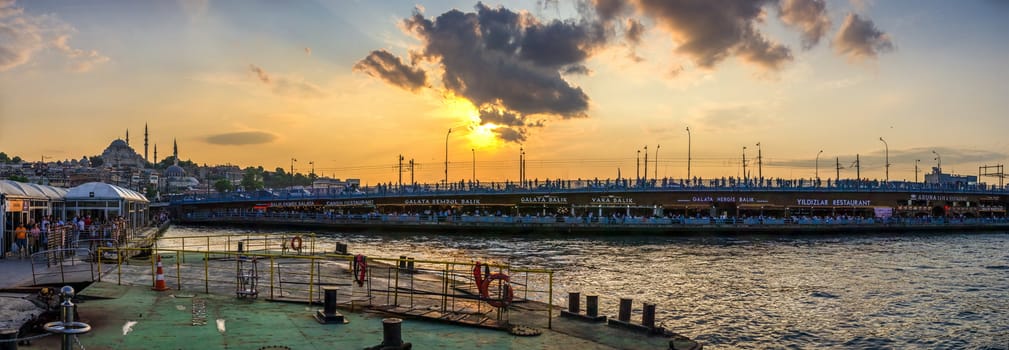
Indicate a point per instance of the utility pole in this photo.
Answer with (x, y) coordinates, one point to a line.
(838, 167)
(400, 171)
(412, 183)
(474, 164)
(858, 169)
(760, 164)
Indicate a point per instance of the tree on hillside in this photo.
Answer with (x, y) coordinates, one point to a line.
(252, 179)
(223, 185)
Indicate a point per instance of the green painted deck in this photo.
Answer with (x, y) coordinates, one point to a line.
(165, 321)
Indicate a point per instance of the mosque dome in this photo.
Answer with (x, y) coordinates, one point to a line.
(175, 171)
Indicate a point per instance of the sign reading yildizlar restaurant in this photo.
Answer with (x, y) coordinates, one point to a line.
(612, 200)
(834, 202)
(545, 200)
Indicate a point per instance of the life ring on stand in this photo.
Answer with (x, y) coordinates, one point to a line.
(360, 269)
(296, 243)
(507, 294)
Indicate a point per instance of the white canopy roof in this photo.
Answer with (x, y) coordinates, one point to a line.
(101, 190)
(16, 189)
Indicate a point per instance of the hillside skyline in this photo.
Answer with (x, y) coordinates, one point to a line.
(580, 86)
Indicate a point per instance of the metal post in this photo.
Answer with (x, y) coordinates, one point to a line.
(574, 298)
(550, 300)
(271, 277)
(646, 163)
(592, 305)
(625, 310)
(648, 316)
(916, 169)
(760, 163)
(818, 166)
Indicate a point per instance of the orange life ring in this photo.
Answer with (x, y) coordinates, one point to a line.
(296, 243)
(507, 294)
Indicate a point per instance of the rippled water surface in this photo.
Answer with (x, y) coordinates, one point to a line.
(903, 291)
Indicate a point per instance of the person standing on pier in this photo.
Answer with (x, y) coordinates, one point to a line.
(21, 236)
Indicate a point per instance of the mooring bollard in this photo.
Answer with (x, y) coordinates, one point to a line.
(573, 302)
(328, 314)
(625, 310)
(392, 332)
(409, 265)
(648, 316)
(402, 262)
(592, 305)
(241, 246)
(7, 336)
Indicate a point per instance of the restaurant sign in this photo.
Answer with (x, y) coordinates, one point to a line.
(834, 202)
(16, 205)
(545, 200)
(449, 201)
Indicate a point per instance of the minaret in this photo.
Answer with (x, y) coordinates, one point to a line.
(127, 137)
(145, 142)
(175, 152)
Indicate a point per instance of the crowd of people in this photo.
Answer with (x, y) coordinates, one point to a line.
(48, 233)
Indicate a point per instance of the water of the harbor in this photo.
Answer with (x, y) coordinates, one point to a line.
(896, 291)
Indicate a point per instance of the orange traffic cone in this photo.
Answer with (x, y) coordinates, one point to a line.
(159, 279)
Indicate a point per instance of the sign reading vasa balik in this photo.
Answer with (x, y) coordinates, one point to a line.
(612, 200)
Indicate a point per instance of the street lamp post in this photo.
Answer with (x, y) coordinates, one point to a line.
(292, 172)
(646, 165)
(916, 169)
(760, 163)
(746, 178)
(818, 167)
(446, 156)
(886, 152)
(688, 153)
(656, 177)
(473, 179)
(637, 168)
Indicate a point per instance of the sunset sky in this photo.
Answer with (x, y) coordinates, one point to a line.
(580, 85)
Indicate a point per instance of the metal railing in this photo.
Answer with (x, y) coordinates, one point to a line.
(388, 283)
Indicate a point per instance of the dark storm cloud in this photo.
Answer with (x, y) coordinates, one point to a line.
(713, 30)
(384, 65)
(498, 117)
(859, 38)
(241, 138)
(808, 16)
(609, 9)
(511, 134)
